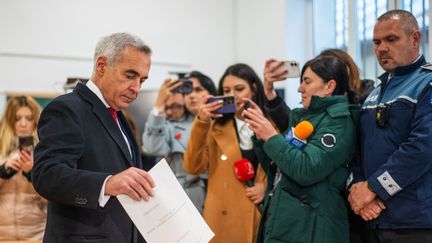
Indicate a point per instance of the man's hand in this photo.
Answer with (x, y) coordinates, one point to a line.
(372, 210)
(255, 193)
(360, 196)
(134, 182)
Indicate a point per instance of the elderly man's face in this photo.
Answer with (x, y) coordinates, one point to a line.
(393, 46)
(120, 84)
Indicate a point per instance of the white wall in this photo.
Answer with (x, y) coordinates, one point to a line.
(324, 19)
(43, 42)
(260, 31)
(272, 29)
(299, 42)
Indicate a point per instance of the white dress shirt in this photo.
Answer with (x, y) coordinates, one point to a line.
(103, 199)
(245, 134)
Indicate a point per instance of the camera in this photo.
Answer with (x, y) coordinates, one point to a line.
(382, 115)
(185, 86)
(228, 106)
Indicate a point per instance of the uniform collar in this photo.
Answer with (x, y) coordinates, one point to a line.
(399, 71)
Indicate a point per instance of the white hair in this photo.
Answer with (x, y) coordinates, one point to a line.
(112, 46)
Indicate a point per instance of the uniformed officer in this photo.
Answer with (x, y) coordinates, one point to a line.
(392, 183)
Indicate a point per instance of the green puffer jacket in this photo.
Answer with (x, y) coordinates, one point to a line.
(308, 203)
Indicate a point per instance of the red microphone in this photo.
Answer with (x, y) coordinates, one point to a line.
(244, 171)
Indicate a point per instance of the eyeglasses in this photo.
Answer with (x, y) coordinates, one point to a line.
(174, 107)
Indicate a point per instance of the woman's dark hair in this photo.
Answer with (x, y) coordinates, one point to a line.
(245, 72)
(332, 68)
(353, 71)
(204, 80)
(367, 85)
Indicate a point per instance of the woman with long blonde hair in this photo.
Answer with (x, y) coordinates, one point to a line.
(22, 210)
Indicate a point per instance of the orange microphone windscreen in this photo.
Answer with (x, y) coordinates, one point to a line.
(303, 130)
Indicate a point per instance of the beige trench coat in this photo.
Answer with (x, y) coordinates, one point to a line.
(22, 211)
(227, 210)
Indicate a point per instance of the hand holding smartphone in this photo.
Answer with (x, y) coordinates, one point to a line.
(292, 67)
(26, 142)
(247, 105)
(228, 105)
(185, 87)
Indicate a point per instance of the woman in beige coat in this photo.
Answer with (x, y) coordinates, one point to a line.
(215, 145)
(22, 210)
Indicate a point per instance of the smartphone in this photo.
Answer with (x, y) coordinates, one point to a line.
(26, 142)
(228, 105)
(293, 68)
(247, 105)
(185, 86)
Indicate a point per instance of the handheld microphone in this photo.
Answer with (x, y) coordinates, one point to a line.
(244, 171)
(297, 136)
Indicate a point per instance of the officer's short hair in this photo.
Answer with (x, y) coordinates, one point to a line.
(408, 21)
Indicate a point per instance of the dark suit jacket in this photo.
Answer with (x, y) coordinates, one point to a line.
(80, 145)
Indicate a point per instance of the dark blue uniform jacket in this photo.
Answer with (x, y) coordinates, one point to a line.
(396, 158)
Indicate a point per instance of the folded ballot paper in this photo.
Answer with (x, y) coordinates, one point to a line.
(170, 215)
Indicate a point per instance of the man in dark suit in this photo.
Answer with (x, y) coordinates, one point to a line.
(87, 154)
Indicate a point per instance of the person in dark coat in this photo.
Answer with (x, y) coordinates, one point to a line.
(87, 154)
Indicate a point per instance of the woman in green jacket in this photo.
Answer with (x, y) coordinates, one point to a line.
(307, 174)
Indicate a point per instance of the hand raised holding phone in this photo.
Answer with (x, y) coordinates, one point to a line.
(26, 146)
(257, 122)
(249, 104)
(207, 110)
(27, 160)
(275, 70)
(165, 91)
(185, 86)
(26, 143)
(22, 159)
(286, 69)
(228, 104)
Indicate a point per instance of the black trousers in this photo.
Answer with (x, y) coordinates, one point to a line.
(402, 236)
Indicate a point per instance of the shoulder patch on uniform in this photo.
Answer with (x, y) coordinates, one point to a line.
(427, 66)
(328, 140)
